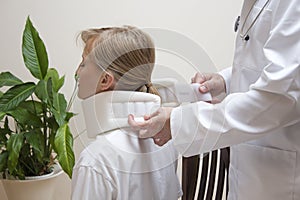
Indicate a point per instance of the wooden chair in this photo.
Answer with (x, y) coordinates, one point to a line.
(214, 174)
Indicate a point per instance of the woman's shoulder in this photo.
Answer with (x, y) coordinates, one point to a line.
(97, 156)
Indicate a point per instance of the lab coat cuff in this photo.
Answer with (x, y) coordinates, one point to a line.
(191, 129)
(226, 74)
(182, 139)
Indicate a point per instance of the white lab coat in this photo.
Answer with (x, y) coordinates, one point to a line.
(260, 117)
(118, 165)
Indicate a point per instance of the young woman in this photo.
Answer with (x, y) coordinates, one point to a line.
(114, 81)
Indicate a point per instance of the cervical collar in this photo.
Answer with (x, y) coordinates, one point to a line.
(107, 111)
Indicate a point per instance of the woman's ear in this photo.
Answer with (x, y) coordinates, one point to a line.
(106, 82)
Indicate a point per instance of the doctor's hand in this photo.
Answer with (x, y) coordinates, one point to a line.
(210, 82)
(156, 125)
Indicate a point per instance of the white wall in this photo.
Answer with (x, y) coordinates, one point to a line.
(208, 24)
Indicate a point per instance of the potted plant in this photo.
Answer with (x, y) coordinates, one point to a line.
(34, 116)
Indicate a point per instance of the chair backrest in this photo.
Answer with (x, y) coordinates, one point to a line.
(206, 177)
(203, 176)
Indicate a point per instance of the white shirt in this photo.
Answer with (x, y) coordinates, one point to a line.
(260, 117)
(119, 165)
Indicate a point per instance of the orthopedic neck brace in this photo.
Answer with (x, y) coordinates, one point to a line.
(107, 111)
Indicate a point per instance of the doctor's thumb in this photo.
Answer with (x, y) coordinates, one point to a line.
(203, 88)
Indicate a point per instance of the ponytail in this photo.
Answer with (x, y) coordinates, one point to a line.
(149, 88)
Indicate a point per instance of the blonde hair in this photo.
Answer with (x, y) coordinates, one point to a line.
(127, 52)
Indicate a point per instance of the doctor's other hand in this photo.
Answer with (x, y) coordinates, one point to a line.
(156, 125)
(210, 82)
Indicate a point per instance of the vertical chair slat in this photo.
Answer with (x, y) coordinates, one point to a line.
(212, 175)
(203, 179)
(221, 176)
(226, 159)
(190, 169)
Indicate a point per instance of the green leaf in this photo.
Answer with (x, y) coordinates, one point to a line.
(27, 165)
(8, 79)
(14, 145)
(4, 131)
(2, 114)
(44, 91)
(59, 108)
(50, 91)
(69, 116)
(64, 149)
(61, 82)
(34, 51)
(34, 107)
(54, 127)
(3, 138)
(41, 91)
(35, 139)
(3, 161)
(56, 81)
(1, 94)
(15, 95)
(19, 172)
(25, 118)
(52, 123)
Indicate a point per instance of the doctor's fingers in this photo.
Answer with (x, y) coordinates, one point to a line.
(215, 101)
(148, 117)
(154, 126)
(162, 138)
(214, 84)
(160, 112)
(160, 115)
(134, 125)
(147, 133)
(198, 78)
(206, 81)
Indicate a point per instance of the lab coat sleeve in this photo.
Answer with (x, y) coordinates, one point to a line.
(226, 74)
(87, 183)
(271, 103)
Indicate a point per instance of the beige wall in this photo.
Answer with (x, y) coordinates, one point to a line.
(208, 24)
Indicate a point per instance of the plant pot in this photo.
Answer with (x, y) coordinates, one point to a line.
(33, 188)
